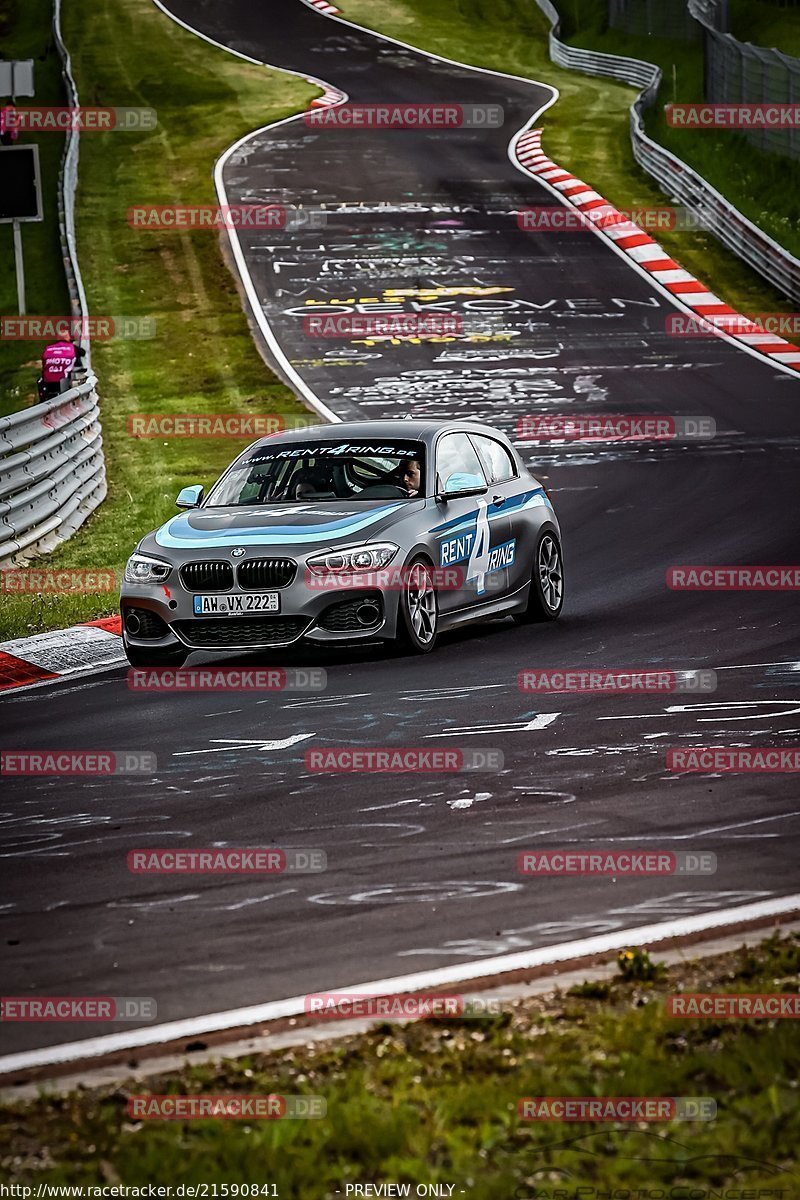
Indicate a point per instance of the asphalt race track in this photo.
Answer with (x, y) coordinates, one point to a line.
(422, 869)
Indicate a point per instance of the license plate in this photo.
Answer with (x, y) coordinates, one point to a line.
(253, 602)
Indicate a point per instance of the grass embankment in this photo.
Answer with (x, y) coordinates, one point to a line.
(202, 359)
(25, 32)
(587, 130)
(436, 1102)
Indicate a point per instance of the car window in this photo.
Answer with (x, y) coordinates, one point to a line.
(455, 455)
(275, 473)
(497, 462)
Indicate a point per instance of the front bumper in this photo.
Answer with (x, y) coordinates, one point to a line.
(157, 616)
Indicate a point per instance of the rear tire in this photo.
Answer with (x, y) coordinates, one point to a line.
(418, 610)
(546, 595)
(143, 658)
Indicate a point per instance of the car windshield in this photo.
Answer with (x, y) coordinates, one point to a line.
(323, 471)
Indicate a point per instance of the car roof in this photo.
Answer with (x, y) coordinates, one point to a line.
(413, 429)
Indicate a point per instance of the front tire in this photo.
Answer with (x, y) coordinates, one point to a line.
(144, 658)
(418, 615)
(546, 595)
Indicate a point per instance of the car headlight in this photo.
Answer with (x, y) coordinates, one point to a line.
(143, 569)
(356, 558)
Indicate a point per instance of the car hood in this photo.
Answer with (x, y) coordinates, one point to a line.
(299, 526)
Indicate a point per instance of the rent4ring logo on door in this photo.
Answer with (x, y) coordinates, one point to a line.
(474, 547)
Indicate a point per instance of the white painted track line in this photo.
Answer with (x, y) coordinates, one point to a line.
(238, 1018)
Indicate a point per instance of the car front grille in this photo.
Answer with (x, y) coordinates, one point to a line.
(265, 573)
(213, 634)
(212, 576)
(342, 617)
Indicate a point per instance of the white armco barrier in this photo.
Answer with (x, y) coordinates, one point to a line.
(52, 473)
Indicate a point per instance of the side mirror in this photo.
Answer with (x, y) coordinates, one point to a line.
(190, 497)
(461, 483)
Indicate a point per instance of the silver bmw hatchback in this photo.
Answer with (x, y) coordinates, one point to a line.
(364, 531)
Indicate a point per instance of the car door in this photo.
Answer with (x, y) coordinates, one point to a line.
(468, 527)
(508, 559)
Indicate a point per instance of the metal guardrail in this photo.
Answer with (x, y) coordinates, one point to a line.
(684, 185)
(52, 474)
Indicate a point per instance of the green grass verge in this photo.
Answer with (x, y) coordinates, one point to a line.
(588, 129)
(202, 359)
(436, 1102)
(25, 32)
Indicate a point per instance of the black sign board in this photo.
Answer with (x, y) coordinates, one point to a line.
(20, 187)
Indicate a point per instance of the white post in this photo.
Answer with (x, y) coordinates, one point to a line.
(20, 268)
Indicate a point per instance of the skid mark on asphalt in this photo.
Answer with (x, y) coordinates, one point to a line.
(545, 832)
(723, 828)
(329, 700)
(559, 797)
(419, 893)
(210, 900)
(49, 845)
(162, 902)
(395, 804)
(352, 833)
